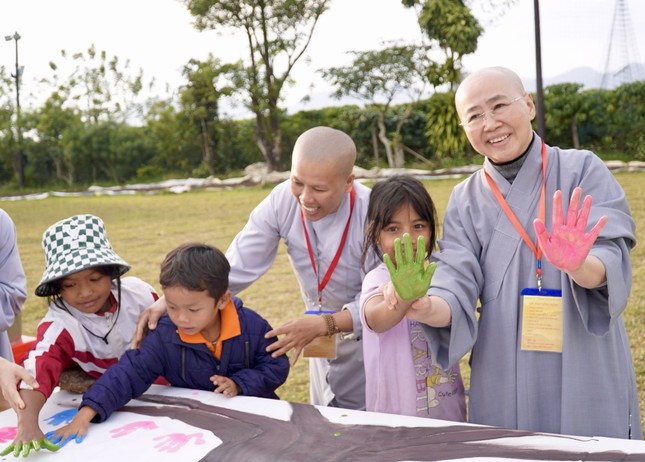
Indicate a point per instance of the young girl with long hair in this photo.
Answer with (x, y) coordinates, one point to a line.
(401, 375)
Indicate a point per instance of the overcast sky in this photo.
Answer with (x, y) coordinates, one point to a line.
(157, 36)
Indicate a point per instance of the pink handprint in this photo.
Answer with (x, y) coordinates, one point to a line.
(175, 441)
(127, 429)
(8, 434)
(568, 246)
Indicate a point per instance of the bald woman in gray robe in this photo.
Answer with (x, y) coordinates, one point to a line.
(587, 385)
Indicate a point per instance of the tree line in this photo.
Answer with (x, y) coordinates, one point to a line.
(99, 123)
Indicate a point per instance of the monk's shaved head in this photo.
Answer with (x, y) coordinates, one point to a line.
(322, 171)
(506, 77)
(325, 145)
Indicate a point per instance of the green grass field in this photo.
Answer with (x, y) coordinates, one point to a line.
(142, 228)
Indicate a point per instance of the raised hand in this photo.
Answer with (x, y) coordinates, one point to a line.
(568, 246)
(410, 276)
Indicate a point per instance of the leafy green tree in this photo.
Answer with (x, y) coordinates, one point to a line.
(443, 130)
(451, 27)
(101, 87)
(200, 98)
(626, 129)
(53, 122)
(592, 128)
(7, 133)
(278, 32)
(563, 104)
(379, 77)
(176, 142)
(119, 149)
(238, 149)
(353, 120)
(11, 130)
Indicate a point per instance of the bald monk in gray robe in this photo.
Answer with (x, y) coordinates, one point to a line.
(549, 364)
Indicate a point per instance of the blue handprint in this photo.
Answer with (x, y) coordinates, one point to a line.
(51, 436)
(63, 417)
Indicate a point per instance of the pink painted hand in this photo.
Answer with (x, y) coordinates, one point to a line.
(127, 429)
(173, 442)
(568, 246)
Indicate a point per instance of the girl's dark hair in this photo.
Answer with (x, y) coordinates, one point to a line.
(196, 266)
(386, 198)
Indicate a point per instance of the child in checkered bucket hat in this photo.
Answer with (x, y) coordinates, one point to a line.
(91, 319)
(75, 244)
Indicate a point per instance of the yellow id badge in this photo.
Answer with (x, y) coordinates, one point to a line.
(542, 320)
(320, 347)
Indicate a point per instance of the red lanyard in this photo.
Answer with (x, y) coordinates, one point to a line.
(537, 251)
(334, 262)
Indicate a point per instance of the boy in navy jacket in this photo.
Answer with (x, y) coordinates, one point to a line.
(206, 341)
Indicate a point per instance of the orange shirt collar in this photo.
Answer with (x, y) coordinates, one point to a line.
(229, 328)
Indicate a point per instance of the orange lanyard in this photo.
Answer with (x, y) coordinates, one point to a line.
(535, 248)
(334, 262)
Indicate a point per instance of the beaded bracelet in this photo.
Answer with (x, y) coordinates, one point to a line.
(332, 328)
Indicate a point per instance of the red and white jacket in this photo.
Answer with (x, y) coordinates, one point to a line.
(63, 342)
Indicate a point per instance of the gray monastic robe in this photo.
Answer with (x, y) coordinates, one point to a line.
(254, 249)
(589, 388)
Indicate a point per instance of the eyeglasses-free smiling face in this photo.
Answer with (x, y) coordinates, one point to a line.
(404, 220)
(319, 187)
(194, 311)
(87, 291)
(496, 114)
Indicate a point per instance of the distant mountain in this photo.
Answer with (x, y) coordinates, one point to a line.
(590, 78)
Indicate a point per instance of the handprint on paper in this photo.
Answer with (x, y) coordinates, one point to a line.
(173, 442)
(8, 434)
(132, 427)
(63, 417)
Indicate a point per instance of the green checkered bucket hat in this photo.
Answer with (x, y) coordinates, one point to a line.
(75, 244)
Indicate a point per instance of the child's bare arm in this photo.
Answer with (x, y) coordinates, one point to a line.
(28, 427)
(381, 315)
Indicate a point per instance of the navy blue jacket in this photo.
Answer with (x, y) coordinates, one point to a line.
(190, 365)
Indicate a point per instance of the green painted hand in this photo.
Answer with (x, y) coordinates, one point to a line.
(24, 448)
(410, 277)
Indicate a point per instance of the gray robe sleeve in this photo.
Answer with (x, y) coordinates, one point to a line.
(13, 284)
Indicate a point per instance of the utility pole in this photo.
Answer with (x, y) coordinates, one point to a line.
(538, 72)
(20, 158)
